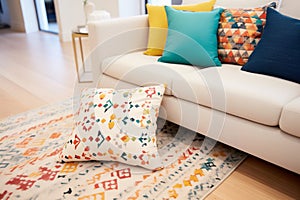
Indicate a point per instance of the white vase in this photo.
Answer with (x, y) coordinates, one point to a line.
(88, 7)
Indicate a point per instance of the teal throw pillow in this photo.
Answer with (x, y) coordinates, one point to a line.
(192, 38)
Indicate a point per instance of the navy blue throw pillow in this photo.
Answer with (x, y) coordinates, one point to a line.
(278, 52)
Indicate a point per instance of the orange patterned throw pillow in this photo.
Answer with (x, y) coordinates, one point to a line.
(239, 32)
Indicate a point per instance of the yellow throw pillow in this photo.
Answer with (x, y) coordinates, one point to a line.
(158, 24)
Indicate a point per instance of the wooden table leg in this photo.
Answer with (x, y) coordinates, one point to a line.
(75, 56)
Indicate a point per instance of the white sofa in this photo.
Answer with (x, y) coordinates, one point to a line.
(255, 113)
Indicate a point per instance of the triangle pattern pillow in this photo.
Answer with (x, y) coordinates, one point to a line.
(116, 125)
(239, 32)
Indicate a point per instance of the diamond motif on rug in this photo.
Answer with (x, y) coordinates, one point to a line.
(30, 143)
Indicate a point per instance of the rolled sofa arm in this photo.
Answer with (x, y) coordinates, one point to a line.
(115, 37)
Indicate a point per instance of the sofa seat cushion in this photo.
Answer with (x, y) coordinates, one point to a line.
(290, 118)
(142, 70)
(251, 96)
(255, 97)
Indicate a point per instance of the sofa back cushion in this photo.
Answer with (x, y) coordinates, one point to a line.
(235, 3)
(290, 8)
(290, 118)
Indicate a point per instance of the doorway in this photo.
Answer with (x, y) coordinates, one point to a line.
(46, 15)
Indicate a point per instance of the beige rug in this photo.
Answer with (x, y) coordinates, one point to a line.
(30, 142)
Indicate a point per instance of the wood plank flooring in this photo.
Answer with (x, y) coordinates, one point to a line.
(36, 69)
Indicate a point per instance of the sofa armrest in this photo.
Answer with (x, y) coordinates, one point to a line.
(115, 37)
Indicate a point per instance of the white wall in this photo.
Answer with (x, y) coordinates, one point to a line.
(29, 16)
(22, 16)
(160, 2)
(111, 6)
(70, 13)
(42, 13)
(129, 8)
(120, 8)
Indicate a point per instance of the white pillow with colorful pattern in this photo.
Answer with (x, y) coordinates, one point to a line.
(116, 125)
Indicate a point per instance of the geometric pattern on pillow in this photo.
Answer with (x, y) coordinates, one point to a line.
(116, 125)
(239, 32)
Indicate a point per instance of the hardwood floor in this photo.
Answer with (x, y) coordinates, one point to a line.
(257, 179)
(36, 69)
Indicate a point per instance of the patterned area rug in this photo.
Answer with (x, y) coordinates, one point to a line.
(30, 143)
